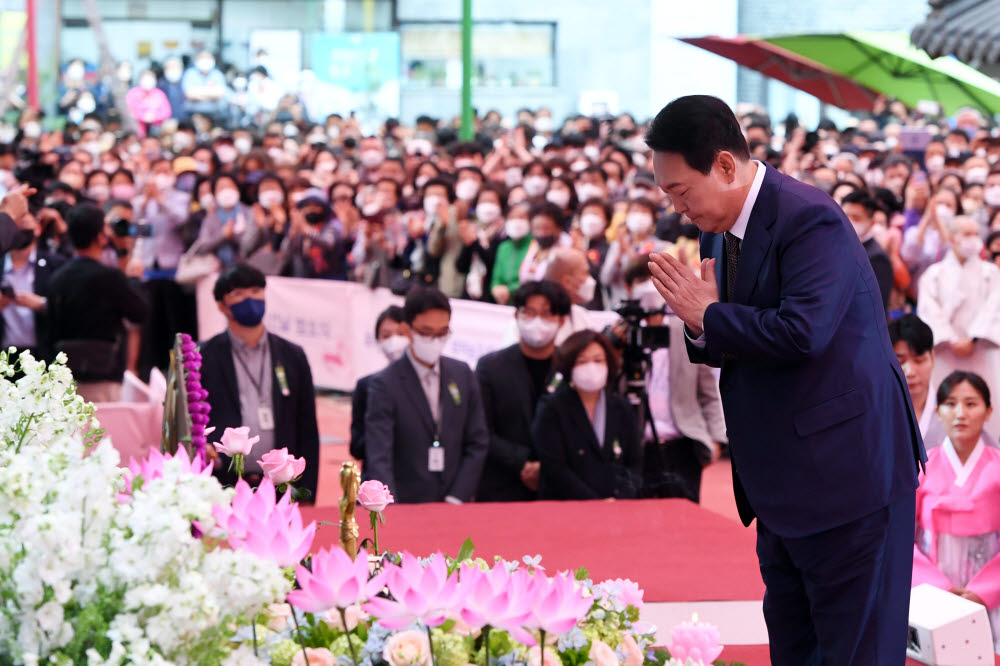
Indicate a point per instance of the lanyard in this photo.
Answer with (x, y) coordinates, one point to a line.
(259, 384)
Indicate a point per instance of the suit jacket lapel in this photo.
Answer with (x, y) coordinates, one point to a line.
(583, 424)
(450, 410)
(411, 386)
(757, 239)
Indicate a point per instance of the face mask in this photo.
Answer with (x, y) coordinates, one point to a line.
(202, 167)
(944, 213)
(243, 145)
(558, 197)
(585, 293)
(894, 185)
(205, 65)
(590, 377)
(370, 159)
(534, 186)
(164, 181)
(970, 205)
(99, 192)
(592, 152)
(991, 195)
(172, 74)
(32, 130)
(976, 175)
(467, 189)
(371, 209)
(638, 193)
(75, 71)
(431, 204)
(248, 312)
(420, 181)
(428, 350)
(206, 201)
(463, 162)
(227, 198)
(970, 247)
(316, 217)
(861, 229)
(537, 332)
(226, 153)
(394, 346)
(517, 228)
(147, 83)
(270, 198)
(592, 225)
(86, 104)
(122, 191)
(639, 223)
(183, 141)
(545, 242)
(543, 124)
(325, 167)
(586, 191)
(488, 212)
(512, 176)
(22, 239)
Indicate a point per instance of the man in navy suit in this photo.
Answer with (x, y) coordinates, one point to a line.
(824, 442)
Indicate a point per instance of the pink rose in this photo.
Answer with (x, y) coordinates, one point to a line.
(602, 654)
(236, 441)
(408, 648)
(278, 616)
(316, 657)
(374, 496)
(281, 467)
(551, 657)
(633, 655)
(352, 613)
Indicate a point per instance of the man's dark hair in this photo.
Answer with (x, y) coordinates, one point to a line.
(594, 168)
(600, 203)
(547, 209)
(443, 182)
(862, 199)
(111, 204)
(956, 378)
(239, 276)
(912, 330)
(698, 127)
(570, 350)
(85, 223)
(637, 270)
(554, 293)
(421, 299)
(392, 313)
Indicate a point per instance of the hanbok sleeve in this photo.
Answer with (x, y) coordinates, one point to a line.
(986, 583)
(986, 325)
(931, 309)
(925, 571)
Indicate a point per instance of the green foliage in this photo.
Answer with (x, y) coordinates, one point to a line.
(283, 653)
(317, 633)
(582, 574)
(451, 649)
(91, 624)
(341, 648)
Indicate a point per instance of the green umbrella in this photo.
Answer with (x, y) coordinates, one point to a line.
(887, 63)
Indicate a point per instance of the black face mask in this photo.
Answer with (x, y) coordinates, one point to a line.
(545, 242)
(22, 239)
(315, 217)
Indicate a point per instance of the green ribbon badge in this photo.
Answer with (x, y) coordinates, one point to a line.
(455, 395)
(279, 372)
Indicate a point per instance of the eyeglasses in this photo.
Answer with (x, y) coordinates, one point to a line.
(527, 313)
(434, 335)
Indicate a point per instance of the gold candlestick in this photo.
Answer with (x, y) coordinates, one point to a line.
(350, 479)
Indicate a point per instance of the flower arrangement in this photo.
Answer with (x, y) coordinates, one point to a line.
(159, 564)
(197, 397)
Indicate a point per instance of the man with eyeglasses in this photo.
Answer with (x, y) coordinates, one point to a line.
(512, 381)
(425, 433)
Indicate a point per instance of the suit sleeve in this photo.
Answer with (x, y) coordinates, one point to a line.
(475, 444)
(816, 286)
(308, 444)
(560, 481)
(358, 403)
(502, 451)
(711, 405)
(380, 419)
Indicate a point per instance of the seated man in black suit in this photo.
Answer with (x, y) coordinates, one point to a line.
(393, 339)
(512, 380)
(256, 379)
(425, 435)
(860, 208)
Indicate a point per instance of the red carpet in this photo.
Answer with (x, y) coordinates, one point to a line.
(674, 549)
(757, 655)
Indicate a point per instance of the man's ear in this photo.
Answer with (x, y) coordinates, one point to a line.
(223, 309)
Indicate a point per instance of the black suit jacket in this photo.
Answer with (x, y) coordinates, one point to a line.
(45, 265)
(509, 405)
(882, 266)
(399, 430)
(294, 415)
(359, 404)
(575, 466)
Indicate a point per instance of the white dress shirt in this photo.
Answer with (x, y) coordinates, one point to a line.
(430, 380)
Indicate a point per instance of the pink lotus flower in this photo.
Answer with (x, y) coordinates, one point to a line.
(236, 441)
(282, 467)
(334, 582)
(424, 593)
(152, 468)
(496, 598)
(696, 641)
(267, 528)
(374, 496)
(559, 603)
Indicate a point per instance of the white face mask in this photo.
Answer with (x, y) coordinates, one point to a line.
(543, 124)
(243, 145)
(970, 247)
(173, 74)
(205, 65)
(227, 198)
(861, 229)
(164, 181)
(488, 212)
(467, 189)
(934, 163)
(206, 201)
(592, 225)
(512, 176)
(371, 158)
(534, 186)
(99, 192)
(585, 293)
(428, 350)
(147, 82)
(270, 198)
(991, 196)
(420, 181)
(944, 213)
(558, 197)
(182, 141)
(639, 223)
(431, 204)
(976, 175)
(226, 153)
(394, 346)
(590, 377)
(537, 332)
(517, 228)
(585, 191)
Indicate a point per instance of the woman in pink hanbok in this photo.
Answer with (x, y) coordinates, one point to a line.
(957, 546)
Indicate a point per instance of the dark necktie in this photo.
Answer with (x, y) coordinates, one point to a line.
(732, 261)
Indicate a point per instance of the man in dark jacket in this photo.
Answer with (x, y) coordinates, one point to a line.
(860, 208)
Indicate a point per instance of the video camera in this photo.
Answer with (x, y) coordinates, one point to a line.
(641, 337)
(125, 229)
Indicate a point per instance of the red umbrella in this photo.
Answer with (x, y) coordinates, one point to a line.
(791, 68)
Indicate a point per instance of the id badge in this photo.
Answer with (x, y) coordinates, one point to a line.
(435, 459)
(265, 418)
